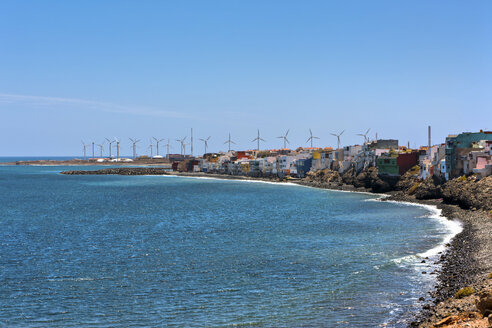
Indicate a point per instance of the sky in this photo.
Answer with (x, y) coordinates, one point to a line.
(90, 70)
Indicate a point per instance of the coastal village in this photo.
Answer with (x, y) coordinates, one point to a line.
(462, 154)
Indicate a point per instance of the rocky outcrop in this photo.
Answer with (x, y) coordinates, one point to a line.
(484, 303)
(121, 171)
(469, 192)
(325, 176)
(368, 179)
(428, 189)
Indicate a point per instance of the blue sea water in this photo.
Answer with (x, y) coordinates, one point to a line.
(147, 251)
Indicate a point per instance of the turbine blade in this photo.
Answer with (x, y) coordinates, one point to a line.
(287, 140)
(333, 134)
(287, 132)
(342, 132)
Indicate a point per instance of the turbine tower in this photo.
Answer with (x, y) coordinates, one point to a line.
(110, 143)
(168, 145)
(93, 149)
(101, 145)
(85, 148)
(134, 143)
(181, 141)
(311, 138)
(151, 148)
(205, 141)
(157, 142)
(229, 141)
(364, 135)
(285, 138)
(338, 138)
(184, 147)
(117, 148)
(258, 139)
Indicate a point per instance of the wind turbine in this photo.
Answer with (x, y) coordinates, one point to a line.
(110, 143)
(134, 142)
(181, 141)
(229, 141)
(364, 135)
(85, 148)
(168, 145)
(151, 147)
(205, 141)
(258, 139)
(338, 138)
(101, 148)
(311, 138)
(285, 138)
(157, 142)
(117, 148)
(184, 147)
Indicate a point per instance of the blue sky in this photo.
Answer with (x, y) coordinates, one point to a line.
(86, 70)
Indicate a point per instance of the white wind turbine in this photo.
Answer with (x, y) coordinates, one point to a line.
(168, 145)
(101, 146)
(229, 141)
(311, 138)
(286, 141)
(364, 135)
(110, 143)
(338, 138)
(205, 141)
(85, 150)
(134, 143)
(117, 148)
(258, 139)
(184, 147)
(182, 142)
(157, 142)
(151, 146)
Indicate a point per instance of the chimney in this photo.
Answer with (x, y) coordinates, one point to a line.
(429, 134)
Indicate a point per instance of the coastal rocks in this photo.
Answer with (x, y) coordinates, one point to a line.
(428, 189)
(121, 171)
(324, 176)
(484, 303)
(469, 192)
(406, 181)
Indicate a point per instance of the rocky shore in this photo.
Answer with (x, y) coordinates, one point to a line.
(467, 263)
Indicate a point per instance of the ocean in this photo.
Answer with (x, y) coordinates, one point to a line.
(147, 251)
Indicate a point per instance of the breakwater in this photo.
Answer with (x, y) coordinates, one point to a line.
(120, 171)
